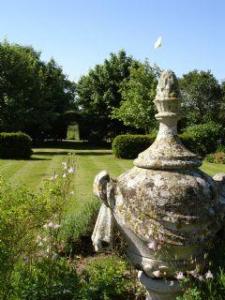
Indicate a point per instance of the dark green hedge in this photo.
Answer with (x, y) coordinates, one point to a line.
(201, 139)
(16, 145)
(129, 146)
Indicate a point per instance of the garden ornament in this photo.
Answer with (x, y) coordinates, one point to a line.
(167, 210)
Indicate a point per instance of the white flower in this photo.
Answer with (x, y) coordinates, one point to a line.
(64, 175)
(64, 164)
(153, 245)
(39, 238)
(180, 276)
(71, 170)
(55, 226)
(209, 275)
(158, 42)
(72, 193)
(50, 225)
(200, 278)
(194, 273)
(54, 177)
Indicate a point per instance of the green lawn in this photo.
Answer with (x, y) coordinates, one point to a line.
(89, 162)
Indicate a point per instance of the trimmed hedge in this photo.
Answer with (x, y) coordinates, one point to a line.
(129, 146)
(16, 145)
(201, 139)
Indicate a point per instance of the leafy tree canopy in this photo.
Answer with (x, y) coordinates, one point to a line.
(99, 92)
(202, 97)
(33, 95)
(138, 92)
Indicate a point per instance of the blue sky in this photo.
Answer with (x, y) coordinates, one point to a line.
(80, 34)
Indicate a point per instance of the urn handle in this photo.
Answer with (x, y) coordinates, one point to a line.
(100, 186)
(103, 188)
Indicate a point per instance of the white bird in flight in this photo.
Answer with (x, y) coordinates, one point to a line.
(158, 42)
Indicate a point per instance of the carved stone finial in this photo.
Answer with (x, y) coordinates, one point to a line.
(168, 87)
(167, 152)
(168, 98)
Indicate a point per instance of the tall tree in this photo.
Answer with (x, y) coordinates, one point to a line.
(202, 97)
(99, 93)
(138, 92)
(33, 94)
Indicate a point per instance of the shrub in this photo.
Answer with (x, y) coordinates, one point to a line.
(46, 279)
(220, 148)
(203, 138)
(212, 288)
(15, 145)
(30, 226)
(105, 278)
(21, 214)
(129, 146)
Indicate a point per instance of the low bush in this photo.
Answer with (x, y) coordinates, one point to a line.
(46, 279)
(106, 278)
(15, 145)
(30, 225)
(129, 146)
(210, 285)
(203, 138)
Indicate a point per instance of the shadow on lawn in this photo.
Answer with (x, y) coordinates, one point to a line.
(74, 145)
(51, 153)
(27, 159)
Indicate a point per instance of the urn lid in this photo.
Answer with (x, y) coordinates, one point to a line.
(167, 151)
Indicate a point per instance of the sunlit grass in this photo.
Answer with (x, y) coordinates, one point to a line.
(46, 161)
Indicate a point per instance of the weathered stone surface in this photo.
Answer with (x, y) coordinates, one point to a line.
(166, 208)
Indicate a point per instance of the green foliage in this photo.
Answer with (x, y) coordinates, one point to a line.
(46, 279)
(75, 226)
(105, 279)
(202, 98)
(30, 226)
(129, 146)
(203, 138)
(217, 158)
(138, 92)
(99, 93)
(15, 145)
(211, 288)
(33, 95)
(21, 213)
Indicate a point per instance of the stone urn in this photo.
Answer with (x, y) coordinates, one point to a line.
(167, 210)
